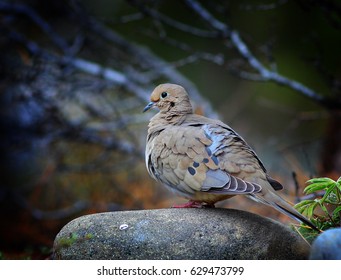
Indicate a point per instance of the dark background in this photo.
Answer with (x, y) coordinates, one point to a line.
(75, 76)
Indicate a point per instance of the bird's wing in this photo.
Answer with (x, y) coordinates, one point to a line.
(235, 156)
(188, 159)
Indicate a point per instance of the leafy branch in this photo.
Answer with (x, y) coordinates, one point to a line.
(325, 211)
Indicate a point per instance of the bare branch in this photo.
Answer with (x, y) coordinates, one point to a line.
(266, 74)
(174, 23)
(205, 15)
(271, 75)
(152, 62)
(86, 66)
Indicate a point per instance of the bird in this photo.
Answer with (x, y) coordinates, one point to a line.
(204, 160)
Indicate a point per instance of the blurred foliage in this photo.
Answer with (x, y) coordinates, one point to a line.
(74, 140)
(325, 210)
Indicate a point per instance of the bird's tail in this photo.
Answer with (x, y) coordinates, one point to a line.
(272, 199)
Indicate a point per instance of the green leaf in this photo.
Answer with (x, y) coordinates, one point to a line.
(326, 195)
(308, 234)
(320, 180)
(337, 209)
(310, 210)
(336, 214)
(303, 204)
(338, 184)
(323, 207)
(317, 187)
(307, 207)
(331, 199)
(331, 196)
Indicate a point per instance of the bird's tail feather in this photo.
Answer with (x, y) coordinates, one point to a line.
(284, 207)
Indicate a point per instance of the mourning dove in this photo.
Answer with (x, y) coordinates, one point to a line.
(202, 159)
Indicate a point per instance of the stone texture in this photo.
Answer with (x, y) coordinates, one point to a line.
(178, 234)
(327, 246)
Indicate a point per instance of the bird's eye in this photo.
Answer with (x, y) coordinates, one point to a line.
(164, 94)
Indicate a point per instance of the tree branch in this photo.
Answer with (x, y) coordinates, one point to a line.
(151, 61)
(171, 22)
(265, 73)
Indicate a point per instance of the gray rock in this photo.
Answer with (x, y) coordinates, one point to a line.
(327, 246)
(178, 234)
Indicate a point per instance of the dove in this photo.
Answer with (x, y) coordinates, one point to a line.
(204, 160)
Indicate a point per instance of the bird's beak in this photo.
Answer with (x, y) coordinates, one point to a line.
(150, 105)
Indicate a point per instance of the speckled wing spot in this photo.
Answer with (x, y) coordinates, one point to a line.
(208, 151)
(191, 171)
(205, 160)
(215, 160)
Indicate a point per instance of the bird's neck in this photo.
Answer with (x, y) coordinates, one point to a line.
(161, 119)
(174, 118)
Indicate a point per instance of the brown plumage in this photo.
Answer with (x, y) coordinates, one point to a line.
(202, 159)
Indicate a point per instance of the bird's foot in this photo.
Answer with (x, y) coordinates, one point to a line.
(193, 204)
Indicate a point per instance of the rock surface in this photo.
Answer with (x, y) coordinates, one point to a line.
(327, 246)
(178, 234)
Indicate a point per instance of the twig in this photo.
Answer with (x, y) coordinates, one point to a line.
(151, 62)
(311, 196)
(97, 70)
(245, 52)
(171, 22)
(86, 66)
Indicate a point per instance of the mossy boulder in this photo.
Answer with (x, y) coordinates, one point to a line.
(178, 234)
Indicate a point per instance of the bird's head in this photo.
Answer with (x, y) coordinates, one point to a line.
(170, 99)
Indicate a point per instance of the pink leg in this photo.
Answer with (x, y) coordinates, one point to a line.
(193, 204)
